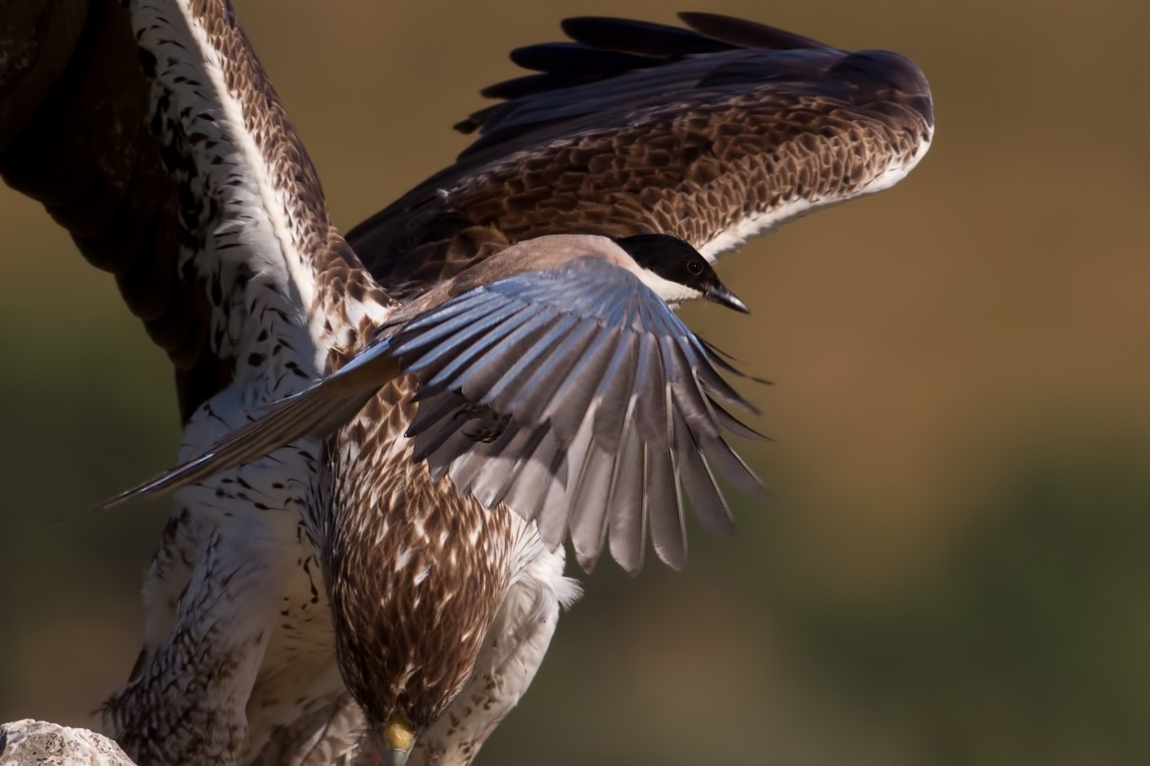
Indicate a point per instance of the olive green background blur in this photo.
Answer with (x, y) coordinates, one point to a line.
(955, 564)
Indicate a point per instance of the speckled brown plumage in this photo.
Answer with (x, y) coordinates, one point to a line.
(416, 572)
(87, 152)
(689, 146)
(139, 150)
(341, 281)
(249, 204)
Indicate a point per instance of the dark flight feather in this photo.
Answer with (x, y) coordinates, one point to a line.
(641, 38)
(743, 33)
(573, 59)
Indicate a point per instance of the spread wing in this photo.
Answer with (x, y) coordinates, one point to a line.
(574, 395)
(579, 399)
(153, 136)
(714, 134)
(149, 131)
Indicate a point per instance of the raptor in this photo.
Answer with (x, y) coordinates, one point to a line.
(152, 134)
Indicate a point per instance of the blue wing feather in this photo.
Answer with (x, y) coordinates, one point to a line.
(588, 350)
(575, 395)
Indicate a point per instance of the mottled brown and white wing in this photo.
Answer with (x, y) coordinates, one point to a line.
(150, 132)
(713, 134)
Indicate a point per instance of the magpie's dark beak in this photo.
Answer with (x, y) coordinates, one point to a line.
(721, 295)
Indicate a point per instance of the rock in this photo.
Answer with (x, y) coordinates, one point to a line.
(37, 743)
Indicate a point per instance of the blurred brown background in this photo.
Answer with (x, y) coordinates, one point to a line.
(955, 567)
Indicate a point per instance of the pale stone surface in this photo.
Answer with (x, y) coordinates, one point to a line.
(37, 743)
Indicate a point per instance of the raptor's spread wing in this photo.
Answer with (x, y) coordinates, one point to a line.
(154, 137)
(150, 132)
(714, 134)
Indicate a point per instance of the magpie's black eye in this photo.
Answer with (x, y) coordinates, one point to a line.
(695, 267)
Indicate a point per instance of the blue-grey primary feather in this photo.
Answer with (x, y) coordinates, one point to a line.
(572, 394)
(592, 366)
